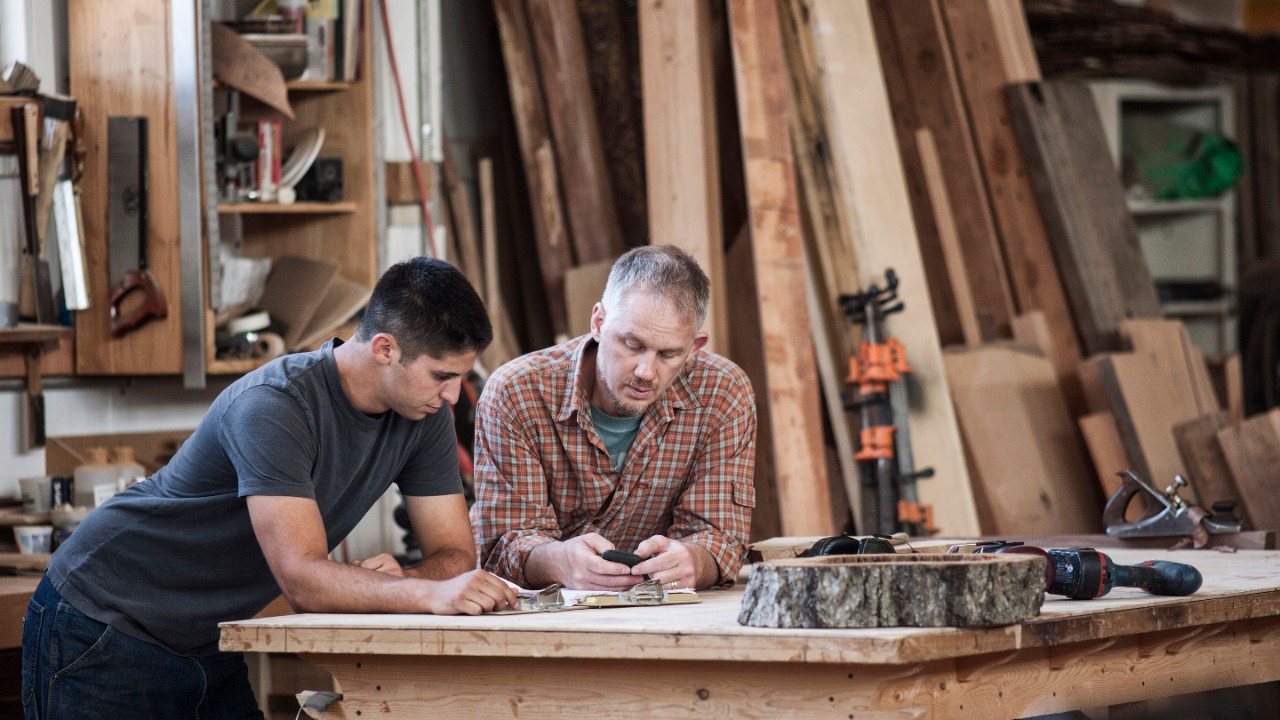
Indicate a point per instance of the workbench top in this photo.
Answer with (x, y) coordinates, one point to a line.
(1238, 586)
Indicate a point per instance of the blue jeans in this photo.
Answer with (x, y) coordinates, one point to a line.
(76, 667)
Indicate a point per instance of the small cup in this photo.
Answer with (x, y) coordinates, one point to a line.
(36, 492)
(34, 539)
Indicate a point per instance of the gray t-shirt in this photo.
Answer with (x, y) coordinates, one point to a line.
(168, 559)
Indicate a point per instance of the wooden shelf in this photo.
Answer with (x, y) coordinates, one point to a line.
(1173, 207)
(234, 367)
(28, 334)
(317, 85)
(1197, 308)
(300, 208)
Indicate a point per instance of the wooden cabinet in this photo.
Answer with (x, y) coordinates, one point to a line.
(1188, 244)
(152, 58)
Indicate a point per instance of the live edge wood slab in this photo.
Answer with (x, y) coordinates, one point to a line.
(688, 660)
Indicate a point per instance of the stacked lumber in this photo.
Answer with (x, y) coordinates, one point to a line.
(799, 149)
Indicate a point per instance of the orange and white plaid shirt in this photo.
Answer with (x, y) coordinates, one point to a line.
(542, 473)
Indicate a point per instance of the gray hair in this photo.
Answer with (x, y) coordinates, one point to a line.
(661, 269)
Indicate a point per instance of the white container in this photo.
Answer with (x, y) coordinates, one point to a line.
(95, 479)
(33, 539)
(128, 469)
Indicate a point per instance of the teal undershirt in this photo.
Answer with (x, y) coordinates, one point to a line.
(617, 434)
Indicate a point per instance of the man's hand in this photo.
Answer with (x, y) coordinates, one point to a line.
(676, 564)
(470, 593)
(383, 563)
(576, 564)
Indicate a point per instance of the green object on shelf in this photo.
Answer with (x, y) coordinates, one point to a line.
(1175, 162)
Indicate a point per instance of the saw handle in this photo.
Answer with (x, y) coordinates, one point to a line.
(153, 304)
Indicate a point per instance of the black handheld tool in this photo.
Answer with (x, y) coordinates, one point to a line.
(1085, 573)
(618, 556)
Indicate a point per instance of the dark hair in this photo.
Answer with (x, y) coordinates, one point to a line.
(665, 270)
(429, 307)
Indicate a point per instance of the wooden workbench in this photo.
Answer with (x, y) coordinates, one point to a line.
(15, 591)
(691, 660)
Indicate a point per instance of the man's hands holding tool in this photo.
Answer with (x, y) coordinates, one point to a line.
(675, 564)
(576, 563)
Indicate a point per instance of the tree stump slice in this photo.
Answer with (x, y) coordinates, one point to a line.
(864, 591)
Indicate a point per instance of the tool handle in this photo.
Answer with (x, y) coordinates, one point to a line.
(1160, 577)
(153, 304)
(618, 556)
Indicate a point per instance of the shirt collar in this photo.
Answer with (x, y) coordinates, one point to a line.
(679, 396)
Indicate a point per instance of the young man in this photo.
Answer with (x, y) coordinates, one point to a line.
(628, 438)
(285, 463)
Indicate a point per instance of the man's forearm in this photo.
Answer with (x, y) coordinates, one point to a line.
(443, 564)
(540, 567)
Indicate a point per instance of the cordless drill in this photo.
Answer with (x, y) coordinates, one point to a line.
(1085, 573)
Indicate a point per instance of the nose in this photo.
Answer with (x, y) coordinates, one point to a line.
(451, 390)
(644, 369)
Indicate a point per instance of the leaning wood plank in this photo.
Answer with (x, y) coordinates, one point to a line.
(982, 72)
(948, 236)
(505, 345)
(871, 186)
(1252, 450)
(465, 224)
(1149, 397)
(777, 252)
(550, 231)
(571, 111)
(1169, 339)
(1092, 232)
(869, 591)
(1231, 373)
(680, 146)
(1106, 449)
(928, 97)
(1032, 328)
(829, 265)
(1027, 460)
(1207, 468)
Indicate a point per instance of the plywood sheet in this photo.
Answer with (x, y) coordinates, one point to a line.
(1023, 443)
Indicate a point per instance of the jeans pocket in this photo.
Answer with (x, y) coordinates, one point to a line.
(32, 635)
(76, 638)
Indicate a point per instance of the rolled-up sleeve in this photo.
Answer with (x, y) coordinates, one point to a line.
(715, 511)
(512, 513)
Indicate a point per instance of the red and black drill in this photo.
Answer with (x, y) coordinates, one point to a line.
(1085, 573)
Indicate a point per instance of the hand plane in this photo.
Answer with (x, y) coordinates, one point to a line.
(1170, 516)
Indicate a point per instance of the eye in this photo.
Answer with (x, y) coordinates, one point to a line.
(669, 355)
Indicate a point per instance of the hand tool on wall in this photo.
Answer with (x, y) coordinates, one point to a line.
(25, 122)
(127, 225)
(1085, 573)
(1170, 515)
(877, 391)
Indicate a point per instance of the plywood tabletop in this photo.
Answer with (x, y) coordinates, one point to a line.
(1237, 586)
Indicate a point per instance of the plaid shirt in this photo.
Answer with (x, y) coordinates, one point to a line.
(542, 473)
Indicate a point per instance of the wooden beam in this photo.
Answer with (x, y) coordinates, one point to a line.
(949, 238)
(571, 110)
(1091, 231)
(680, 145)
(555, 253)
(790, 379)
(979, 44)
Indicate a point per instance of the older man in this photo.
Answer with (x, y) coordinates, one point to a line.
(631, 437)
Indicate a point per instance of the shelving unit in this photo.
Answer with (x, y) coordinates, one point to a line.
(1190, 243)
(152, 58)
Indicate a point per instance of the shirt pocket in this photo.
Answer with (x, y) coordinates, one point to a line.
(744, 494)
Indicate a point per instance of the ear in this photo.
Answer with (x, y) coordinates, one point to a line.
(384, 349)
(699, 341)
(597, 320)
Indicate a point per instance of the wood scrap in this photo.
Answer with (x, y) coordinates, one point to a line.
(948, 237)
(926, 590)
(505, 345)
(1206, 465)
(1169, 339)
(1252, 451)
(465, 226)
(1026, 453)
(1106, 449)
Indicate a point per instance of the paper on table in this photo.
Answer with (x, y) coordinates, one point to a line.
(604, 597)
